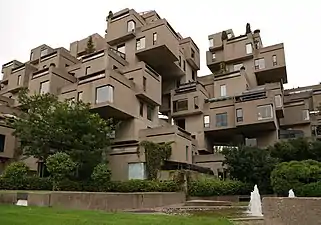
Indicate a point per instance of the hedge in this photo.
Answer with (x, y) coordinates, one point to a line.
(215, 187)
(37, 183)
(309, 190)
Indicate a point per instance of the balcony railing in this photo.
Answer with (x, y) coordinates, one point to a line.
(122, 55)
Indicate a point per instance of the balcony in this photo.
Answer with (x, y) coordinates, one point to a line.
(255, 111)
(49, 80)
(188, 99)
(191, 52)
(269, 65)
(19, 77)
(295, 113)
(147, 83)
(111, 95)
(219, 116)
(158, 46)
(181, 139)
(214, 59)
(122, 26)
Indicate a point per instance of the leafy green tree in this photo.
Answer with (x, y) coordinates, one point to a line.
(47, 126)
(292, 149)
(101, 175)
(296, 150)
(250, 165)
(90, 45)
(294, 175)
(59, 165)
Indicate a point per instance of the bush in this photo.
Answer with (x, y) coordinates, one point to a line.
(144, 186)
(59, 165)
(309, 190)
(215, 187)
(101, 174)
(27, 183)
(38, 183)
(16, 171)
(294, 175)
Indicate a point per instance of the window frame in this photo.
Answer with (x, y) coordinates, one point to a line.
(219, 122)
(150, 110)
(19, 80)
(110, 98)
(211, 42)
(140, 43)
(206, 121)
(223, 90)
(41, 87)
(239, 118)
(248, 48)
(130, 28)
(260, 118)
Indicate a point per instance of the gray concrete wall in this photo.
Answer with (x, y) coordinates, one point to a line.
(292, 211)
(96, 200)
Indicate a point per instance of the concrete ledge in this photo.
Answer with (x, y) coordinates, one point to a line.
(96, 200)
(291, 211)
(8, 198)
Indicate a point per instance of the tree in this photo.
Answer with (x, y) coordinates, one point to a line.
(251, 165)
(294, 175)
(59, 166)
(90, 45)
(296, 149)
(47, 126)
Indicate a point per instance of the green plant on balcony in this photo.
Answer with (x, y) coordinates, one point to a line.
(90, 45)
(155, 155)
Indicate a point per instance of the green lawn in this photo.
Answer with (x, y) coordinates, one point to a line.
(12, 215)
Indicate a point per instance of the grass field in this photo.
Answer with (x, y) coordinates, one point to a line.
(12, 215)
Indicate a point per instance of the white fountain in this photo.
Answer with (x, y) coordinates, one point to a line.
(255, 206)
(291, 193)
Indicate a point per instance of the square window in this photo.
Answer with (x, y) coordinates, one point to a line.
(237, 67)
(136, 171)
(43, 52)
(248, 48)
(259, 64)
(140, 43)
(44, 87)
(264, 112)
(221, 120)
(105, 94)
(131, 26)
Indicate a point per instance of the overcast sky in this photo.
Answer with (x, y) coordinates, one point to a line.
(26, 24)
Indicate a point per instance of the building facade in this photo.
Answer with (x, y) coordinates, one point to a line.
(144, 74)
